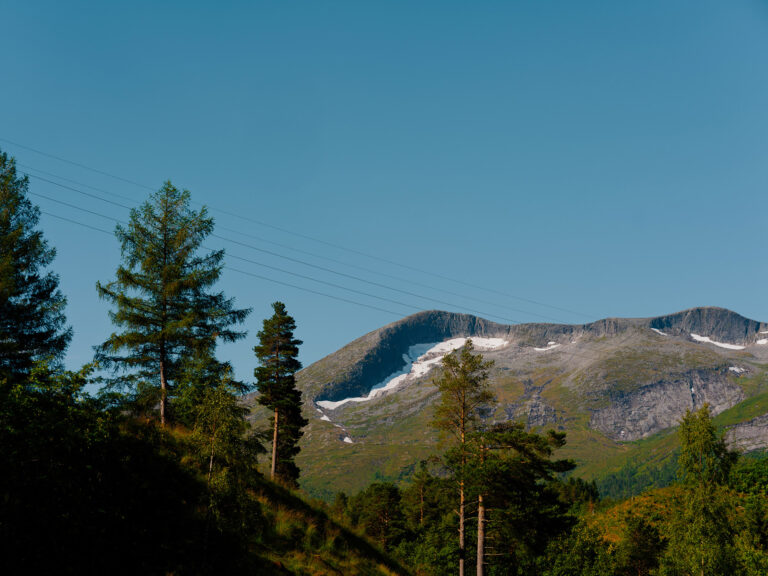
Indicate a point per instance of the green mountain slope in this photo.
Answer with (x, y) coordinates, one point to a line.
(616, 386)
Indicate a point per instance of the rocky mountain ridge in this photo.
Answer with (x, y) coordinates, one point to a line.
(608, 384)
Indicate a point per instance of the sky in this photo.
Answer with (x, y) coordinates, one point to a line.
(522, 161)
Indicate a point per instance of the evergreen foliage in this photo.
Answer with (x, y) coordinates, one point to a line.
(640, 549)
(168, 316)
(277, 352)
(88, 488)
(378, 510)
(514, 472)
(702, 538)
(31, 306)
(704, 458)
(463, 387)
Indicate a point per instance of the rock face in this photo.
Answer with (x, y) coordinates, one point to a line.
(376, 355)
(718, 323)
(354, 369)
(660, 405)
(534, 410)
(749, 436)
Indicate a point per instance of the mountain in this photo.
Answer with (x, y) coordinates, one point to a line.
(617, 386)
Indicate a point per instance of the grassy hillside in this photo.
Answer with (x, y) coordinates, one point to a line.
(102, 493)
(598, 377)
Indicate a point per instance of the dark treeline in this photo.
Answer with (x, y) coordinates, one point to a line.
(712, 521)
(159, 472)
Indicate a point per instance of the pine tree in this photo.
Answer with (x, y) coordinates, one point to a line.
(31, 306)
(164, 305)
(514, 475)
(463, 386)
(277, 352)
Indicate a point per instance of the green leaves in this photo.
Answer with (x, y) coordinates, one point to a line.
(704, 457)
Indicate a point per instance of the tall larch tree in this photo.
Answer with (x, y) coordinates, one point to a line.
(277, 352)
(165, 308)
(32, 322)
(463, 386)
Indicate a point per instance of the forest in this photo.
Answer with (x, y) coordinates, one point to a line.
(162, 472)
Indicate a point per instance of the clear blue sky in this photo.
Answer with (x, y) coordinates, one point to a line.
(606, 158)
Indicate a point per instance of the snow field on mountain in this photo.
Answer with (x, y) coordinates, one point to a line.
(708, 340)
(419, 360)
(550, 346)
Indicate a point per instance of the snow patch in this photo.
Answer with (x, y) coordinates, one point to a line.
(550, 346)
(762, 341)
(720, 344)
(737, 369)
(324, 417)
(658, 331)
(764, 332)
(348, 440)
(421, 358)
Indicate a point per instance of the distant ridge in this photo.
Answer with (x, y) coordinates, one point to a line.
(607, 384)
(377, 354)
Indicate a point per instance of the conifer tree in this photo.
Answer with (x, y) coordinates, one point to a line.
(277, 352)
(31, 306)
(702, 537)
(165, 308)
(513, 473)
(463, 386)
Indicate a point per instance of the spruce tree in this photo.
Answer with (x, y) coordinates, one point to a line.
(277, 352)
(32, 322)
(164, 306)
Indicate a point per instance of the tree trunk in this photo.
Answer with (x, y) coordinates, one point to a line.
(274, 433)
(480, 535)
(461, 528)
(462, 548)
(210, 461)
(274, 449)
(163, 393)
(421, 505)
(481, 521)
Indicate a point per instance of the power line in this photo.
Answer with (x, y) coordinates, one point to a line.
(289, 258)
(359, 279)
(484, 313)
(83, 166)
(569, 354)
(250, 261)
(83, 224)
(305, 236)
(281, 283)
